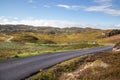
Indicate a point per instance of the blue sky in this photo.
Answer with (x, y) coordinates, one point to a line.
(61, 13)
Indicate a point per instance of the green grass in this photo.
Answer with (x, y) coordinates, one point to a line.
(9, 50)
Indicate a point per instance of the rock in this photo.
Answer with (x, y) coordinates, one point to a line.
(70, 74)
(97, 63)
(116, 47)
(116, 50)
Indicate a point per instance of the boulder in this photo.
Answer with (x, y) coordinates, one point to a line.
(116, 48)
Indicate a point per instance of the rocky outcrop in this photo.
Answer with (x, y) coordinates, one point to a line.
(116, 47)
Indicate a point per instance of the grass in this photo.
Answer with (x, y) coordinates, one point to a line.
(10, 50)
(112, 72)
(26, 44)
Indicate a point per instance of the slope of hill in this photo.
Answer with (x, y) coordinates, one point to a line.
(112, 39)
(88, 36)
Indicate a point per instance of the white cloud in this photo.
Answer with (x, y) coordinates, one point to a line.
(73, 7)
(103, 2)
(104, 6)
(96, 8)
(112, 12)
(54, 23)
(37, 22)
(117, 26)
(3, 19)
(63, 6)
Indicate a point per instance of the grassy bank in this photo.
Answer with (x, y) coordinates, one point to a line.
(102, 66)
(56, 71)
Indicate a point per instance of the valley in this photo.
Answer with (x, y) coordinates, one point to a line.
(21, 46)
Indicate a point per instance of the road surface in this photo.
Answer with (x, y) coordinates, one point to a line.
(21, 68)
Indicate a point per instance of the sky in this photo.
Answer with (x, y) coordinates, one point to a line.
(104, 14)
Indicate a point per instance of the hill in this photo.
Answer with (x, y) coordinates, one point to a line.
(42, 29)
(44, 34)
(21, 40)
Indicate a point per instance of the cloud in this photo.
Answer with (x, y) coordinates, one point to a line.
(96, 8)
(15, 18)
(103, 2)
(54, 23)
(117, 26)
(73, 7)
(104, 6)
(39, 22)
(63, 6)
(110, 11)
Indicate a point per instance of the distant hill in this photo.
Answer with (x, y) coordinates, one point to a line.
(51, 35)
(42, 29)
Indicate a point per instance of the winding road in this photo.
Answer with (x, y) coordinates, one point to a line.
(21, 68)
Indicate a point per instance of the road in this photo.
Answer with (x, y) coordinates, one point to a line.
(21, 68)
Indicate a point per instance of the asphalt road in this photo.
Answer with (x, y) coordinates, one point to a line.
(20, 68)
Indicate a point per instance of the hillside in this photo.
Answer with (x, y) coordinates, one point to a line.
(52, 34)
(18, 41)
(112, 39)
(42, 29)
(110, 36)
(46, 35)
